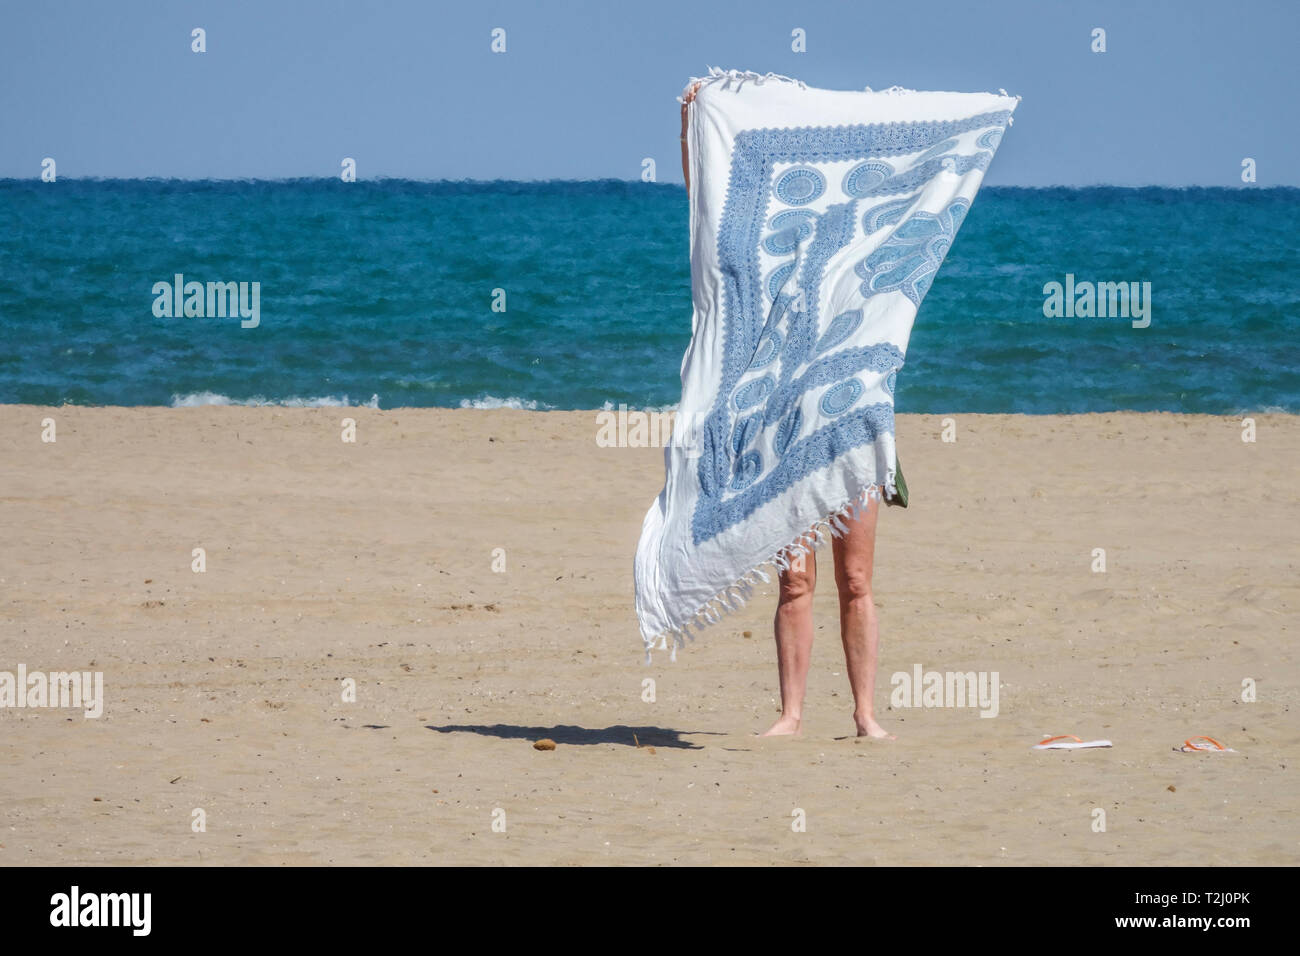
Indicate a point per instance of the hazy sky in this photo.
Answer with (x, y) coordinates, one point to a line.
(1185, 90)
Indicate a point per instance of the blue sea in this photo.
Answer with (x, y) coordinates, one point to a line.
(382, 293)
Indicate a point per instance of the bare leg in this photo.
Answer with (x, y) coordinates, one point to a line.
(794, 637)
(854, 559)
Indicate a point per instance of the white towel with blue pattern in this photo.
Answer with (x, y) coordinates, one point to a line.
(818, 219)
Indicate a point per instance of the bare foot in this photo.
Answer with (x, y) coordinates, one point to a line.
(867, 727)
(784, 726)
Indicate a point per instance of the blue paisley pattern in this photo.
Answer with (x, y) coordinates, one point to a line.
(863, 178)
(841, 327)
(911, 256)
(886, 214)
(756, 442)
(800, 186)
(789, 229)
(840, 398)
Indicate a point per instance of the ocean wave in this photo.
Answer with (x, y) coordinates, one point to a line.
(491, 401)
(198, 399)
(611, 407)
(1263, 410)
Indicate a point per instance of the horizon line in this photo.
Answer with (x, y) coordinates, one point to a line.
(4, 180)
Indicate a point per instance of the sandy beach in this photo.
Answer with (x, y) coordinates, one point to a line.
(471, 572)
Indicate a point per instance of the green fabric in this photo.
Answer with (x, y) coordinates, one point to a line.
(900, 497)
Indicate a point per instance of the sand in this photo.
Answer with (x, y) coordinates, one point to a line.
(373, 562)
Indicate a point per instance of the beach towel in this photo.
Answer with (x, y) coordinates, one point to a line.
(818, 219)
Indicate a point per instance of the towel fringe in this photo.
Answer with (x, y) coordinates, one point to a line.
(739, 77)
(736, 595)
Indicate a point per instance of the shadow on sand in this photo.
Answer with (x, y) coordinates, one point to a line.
(581, 736)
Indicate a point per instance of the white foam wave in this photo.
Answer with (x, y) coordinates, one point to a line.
(198, 399)
(491, 401)
(611, 407)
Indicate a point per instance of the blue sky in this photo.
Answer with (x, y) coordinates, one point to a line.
(1185, 91)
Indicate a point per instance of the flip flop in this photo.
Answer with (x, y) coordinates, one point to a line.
(1189, 747)
(1069, 742)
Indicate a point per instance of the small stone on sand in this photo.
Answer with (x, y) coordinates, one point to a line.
(544, 744)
